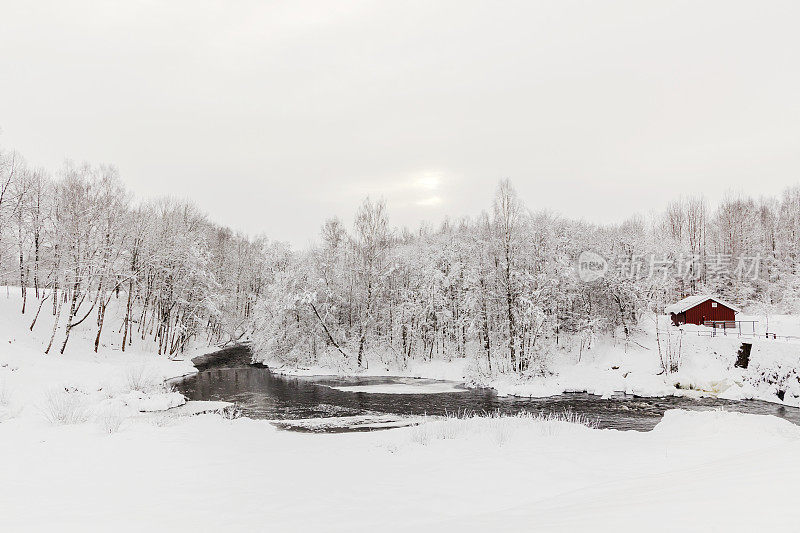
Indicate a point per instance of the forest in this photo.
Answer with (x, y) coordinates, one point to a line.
(73, 242)
(500, 286)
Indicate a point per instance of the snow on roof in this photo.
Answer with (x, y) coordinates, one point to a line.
(691, 301)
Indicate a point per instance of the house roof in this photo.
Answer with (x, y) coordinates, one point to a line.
(692, 301)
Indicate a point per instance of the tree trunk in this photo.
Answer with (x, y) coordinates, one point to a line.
(72, 311)
(101, 314)
(328, 333)
(41, 303)
(126, 323)
(510, 307)
(55, 324)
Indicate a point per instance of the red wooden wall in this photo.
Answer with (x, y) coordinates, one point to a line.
(704, 311)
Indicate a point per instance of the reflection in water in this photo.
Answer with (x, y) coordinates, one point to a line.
(261, 394)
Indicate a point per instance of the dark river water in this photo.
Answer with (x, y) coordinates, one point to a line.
(261, 394)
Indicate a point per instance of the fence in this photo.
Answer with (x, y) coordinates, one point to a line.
(728, 325)
(733, 328)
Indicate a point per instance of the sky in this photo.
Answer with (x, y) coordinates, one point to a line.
(273, 116)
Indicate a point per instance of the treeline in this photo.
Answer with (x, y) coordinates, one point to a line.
(74, 243)
(504, 288)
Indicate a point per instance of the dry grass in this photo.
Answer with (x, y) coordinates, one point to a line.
(162, 420)
(111, 419)
(6, 410)
(141, 378)
(65, 406)
(231, 412)
(5, 393)
(498, 426)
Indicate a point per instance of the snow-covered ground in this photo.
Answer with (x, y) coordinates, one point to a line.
(28, 377)
(707, 367)
(123, 463)
(613, 365)
(712, 471)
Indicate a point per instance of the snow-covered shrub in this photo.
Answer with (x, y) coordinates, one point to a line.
(779, 377)
(65, 406)
(111, 419)
(144, 390)
(670, 350)
(333, 359)
(142, 378)
(539, 363)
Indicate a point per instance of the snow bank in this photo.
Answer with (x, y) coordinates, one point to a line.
(144, 402)
(690, 472)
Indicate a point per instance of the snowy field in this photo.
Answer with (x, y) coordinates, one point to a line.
(87, 443)
(711, 471)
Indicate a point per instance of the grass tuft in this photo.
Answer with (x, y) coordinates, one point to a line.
(499, 427)
(231, 412)
(5, 393)
(142, 378)
(65, 406)
(111, 419)
(6, 411)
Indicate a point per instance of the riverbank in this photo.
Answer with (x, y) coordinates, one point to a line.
(633, 366)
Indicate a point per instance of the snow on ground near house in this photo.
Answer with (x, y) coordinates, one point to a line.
(698, 470)
(785, 325)
(707, 367)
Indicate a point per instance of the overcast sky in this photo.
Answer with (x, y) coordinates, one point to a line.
(274, 115)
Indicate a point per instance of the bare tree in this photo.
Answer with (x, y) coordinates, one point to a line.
(370, 245)
(508, 219)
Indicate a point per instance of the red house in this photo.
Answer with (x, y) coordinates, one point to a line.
(701, 309)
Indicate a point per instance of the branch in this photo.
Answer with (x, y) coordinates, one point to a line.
(328, 332)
